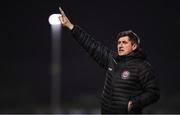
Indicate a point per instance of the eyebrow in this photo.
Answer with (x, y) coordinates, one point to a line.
(123, 40)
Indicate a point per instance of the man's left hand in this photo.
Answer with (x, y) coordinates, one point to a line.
(129, 106)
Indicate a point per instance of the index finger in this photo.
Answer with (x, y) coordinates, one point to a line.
(61, 11)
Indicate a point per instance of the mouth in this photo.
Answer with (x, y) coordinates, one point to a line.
(120, 50)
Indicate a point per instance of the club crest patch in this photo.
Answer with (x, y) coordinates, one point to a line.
(125, 74)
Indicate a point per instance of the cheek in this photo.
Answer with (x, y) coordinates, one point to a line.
(128, 47)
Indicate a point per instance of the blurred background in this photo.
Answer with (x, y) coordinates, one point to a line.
(27, 47)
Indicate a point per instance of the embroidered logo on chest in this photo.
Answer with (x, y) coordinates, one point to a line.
(125, 74)
(110, 69)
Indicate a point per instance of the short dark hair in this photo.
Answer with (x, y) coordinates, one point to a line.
(132, 36)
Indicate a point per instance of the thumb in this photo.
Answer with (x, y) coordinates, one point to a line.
(61, 19)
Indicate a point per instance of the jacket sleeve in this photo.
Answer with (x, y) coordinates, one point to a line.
(149, 84)
(94, 48)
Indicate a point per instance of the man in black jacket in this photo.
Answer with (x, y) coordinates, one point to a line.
(130, 83)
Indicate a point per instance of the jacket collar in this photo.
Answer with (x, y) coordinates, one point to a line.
(138, 54)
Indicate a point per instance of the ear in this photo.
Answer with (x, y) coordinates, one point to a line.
(134, 47)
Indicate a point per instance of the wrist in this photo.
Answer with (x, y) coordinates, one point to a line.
(71, 26)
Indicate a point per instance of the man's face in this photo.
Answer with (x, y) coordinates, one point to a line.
(125, 46)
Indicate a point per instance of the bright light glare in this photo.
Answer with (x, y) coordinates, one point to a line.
(54, 20)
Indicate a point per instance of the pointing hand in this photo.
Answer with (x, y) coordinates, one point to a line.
(64, 20)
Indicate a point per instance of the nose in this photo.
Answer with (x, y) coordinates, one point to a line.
(120, 45)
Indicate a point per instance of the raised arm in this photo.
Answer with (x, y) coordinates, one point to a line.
(98, 52)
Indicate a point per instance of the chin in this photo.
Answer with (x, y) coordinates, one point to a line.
(123, 54)
(120, 54)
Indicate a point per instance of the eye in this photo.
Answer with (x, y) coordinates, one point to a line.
(124, 42)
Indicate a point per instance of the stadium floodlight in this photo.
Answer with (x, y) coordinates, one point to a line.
(54, 19)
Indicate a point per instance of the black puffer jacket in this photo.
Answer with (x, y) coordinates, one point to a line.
(128, 77)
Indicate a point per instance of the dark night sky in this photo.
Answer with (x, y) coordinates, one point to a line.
(26, 49)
